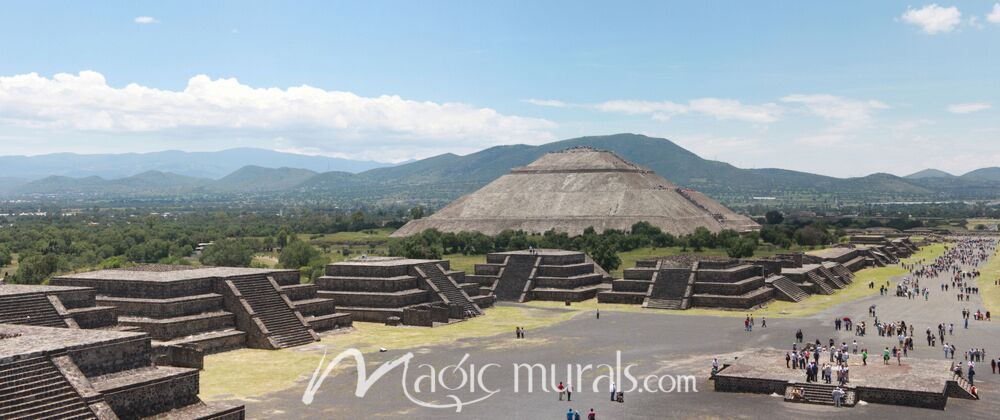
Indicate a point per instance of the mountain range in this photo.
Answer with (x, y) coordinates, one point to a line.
(211, 165)
(440, 179)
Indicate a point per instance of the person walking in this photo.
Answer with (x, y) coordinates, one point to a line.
(591, 415)
(562, 390)
(569, 414)
(838, 396)
(569, 392)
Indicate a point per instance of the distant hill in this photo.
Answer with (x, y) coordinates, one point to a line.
(985, 174)
(452, 175)
(440, 179)
(211, 165)
(10, 184)
(146, 183)
(256, 179)
(929, 173)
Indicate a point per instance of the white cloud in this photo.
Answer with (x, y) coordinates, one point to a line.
(552, 103)
(327, 120)
(933, 19)
(845, 111)
(994, 16)
(145, 20)
(721, 109)
(658, 110)
(728, 109)
(849, 117)
(968, 108)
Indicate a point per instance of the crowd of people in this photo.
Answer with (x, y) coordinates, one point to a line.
(957, 270)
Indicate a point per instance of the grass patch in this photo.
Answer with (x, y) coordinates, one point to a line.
(990, 292)
(227, 375)
(466, 263)
(363, 237)
(972, 223)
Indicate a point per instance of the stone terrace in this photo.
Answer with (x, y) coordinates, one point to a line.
(71, 373)
(922, 383)
(544, 274)
(685, 281)
(54, 306)
(401, 291)
(215, 308)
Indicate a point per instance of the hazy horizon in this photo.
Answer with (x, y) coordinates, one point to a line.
(391, 82)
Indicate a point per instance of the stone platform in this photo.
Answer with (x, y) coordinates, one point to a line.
(394, 290)
(54, 306)
(48, 372)
(212, 308)
(541, 274)
(924, 383)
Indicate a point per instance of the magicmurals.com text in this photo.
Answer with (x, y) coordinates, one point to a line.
(471, 379)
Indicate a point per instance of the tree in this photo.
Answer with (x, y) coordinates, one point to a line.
(774, 217)
(417, 213)
(228, 253)
(36, 268)
(603, 253)
(5, 258)
(424, 245)
(297, 254)
(811, 235)
(700, 239)
(742, 248)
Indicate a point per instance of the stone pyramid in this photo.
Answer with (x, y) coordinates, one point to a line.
(573, 189)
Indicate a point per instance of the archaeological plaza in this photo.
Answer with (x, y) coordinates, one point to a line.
(142, 341)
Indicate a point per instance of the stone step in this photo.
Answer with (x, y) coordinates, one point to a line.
(78, 413)
(820, 394)
(663, 303)
(19, 379)
(329, 321)
(32, 390)
(211, 341)
(29, 364)
(38, 407)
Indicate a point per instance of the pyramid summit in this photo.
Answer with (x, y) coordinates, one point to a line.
(573, 189)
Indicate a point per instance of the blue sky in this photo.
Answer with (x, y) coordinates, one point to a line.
(841, 88)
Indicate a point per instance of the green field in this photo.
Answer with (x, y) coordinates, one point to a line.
(971, 223)
(989, 291)
(364, 237)
(226, 375)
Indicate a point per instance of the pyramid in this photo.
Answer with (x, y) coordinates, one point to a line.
(577, 188)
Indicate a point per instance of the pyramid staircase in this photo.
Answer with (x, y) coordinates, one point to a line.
(30, 309)
(653, 303)
(820, 283)
(814, 393)
(788, 289)
(446, 288)
(35, 388)
(284, 326)
(515, 277)
(663, 294)
(832, 278)
(845, 274)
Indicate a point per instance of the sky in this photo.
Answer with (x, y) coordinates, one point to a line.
(844, 88)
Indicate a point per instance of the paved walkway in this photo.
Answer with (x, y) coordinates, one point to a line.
(658, 344)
